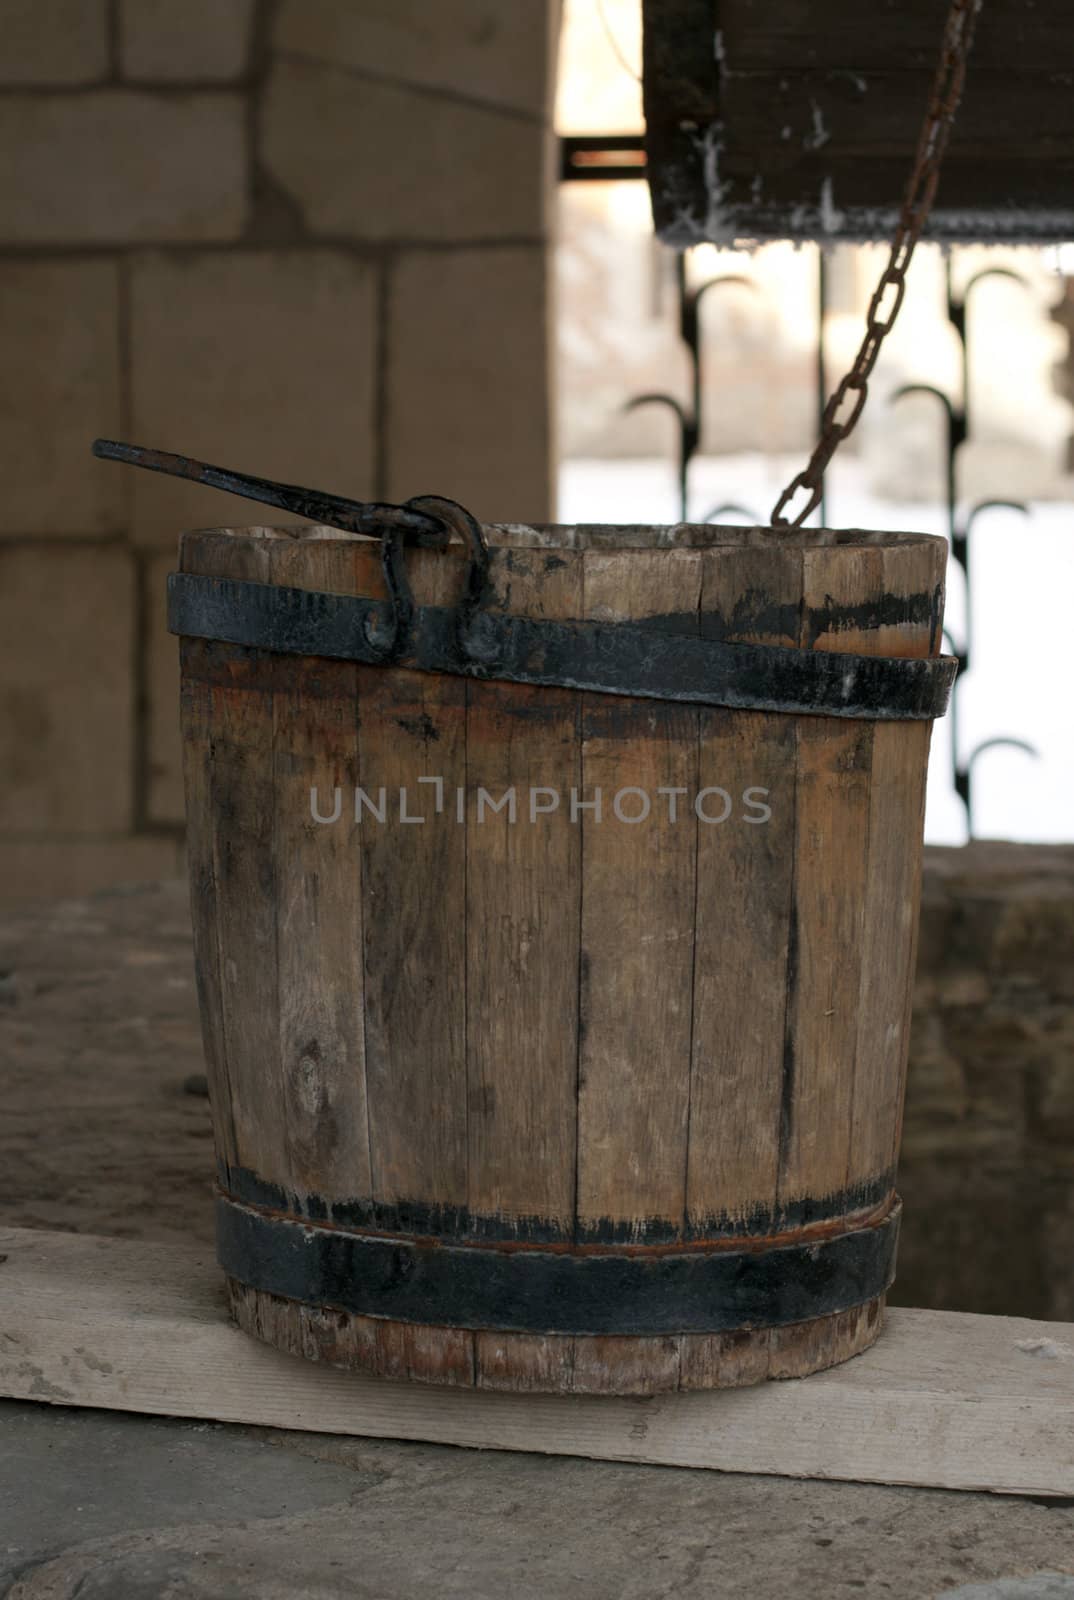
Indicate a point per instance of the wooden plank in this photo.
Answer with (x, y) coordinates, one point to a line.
(893, 886)
(412, 726)
(830, 863)
(322, 1100)
(758, 34)
(638, 891)
(889, 946)
(239, 813)
(884, 116)
(196, 724)
(522, 925)
(388, 1349)
(945, 1400)
(830, 855)
(749, 596)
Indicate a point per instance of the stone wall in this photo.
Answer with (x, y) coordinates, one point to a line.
(987, 1173)
(304, 238)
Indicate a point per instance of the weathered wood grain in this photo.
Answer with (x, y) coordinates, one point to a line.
(830, 862)
(895, 37)
(412, 726)
(241, 816)
(197, 730)
(522, 926)
(638, 888)
(321, 1101)
(553, 1363)
(893, 889)
(745, 874)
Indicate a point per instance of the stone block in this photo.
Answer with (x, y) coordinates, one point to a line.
(192, 41)
(990, 1097)
(482, 50)
(58, 42)
(59, 331)
(115, 166)
(164, 751)
(369, 160)
(261, 361)
(469, 405)
(50, 869)
(67, 698)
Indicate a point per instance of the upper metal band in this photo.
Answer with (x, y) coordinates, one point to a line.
(608, 658)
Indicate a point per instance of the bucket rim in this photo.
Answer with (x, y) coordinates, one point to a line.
(624, 538)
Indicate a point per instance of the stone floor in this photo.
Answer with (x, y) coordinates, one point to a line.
(104, 1506)
(98, 1037)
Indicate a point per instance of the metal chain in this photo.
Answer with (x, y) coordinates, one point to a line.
(917, 202)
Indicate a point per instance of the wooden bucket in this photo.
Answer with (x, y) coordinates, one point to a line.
(530, 1095)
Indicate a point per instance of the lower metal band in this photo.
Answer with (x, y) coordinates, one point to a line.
(530, 1290)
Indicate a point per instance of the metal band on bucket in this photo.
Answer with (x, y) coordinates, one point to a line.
(604, 657)
(534, 1289)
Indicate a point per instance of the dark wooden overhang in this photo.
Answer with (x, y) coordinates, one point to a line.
(799, 119)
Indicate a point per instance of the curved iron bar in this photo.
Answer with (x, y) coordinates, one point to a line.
(964, 771)
(956, 436)
(722, 278)
(743, 511)
(993, 505)
(960, 544)
(953, 649)
(960, 550)
(956, 316)
(689, 415)
(688, 437)
(957, 430)
(690, 333)
(1007, 741)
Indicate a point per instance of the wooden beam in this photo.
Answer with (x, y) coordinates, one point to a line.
(944, 1400)
(770, 119)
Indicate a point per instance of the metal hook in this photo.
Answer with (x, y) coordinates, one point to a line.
(725, 510)
(957, 428)
(400, 597)
(956, 422)
(964, 773)
(992, 505)
(1009, 743)
(689, 437)
(956, 306)
(689, 417)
